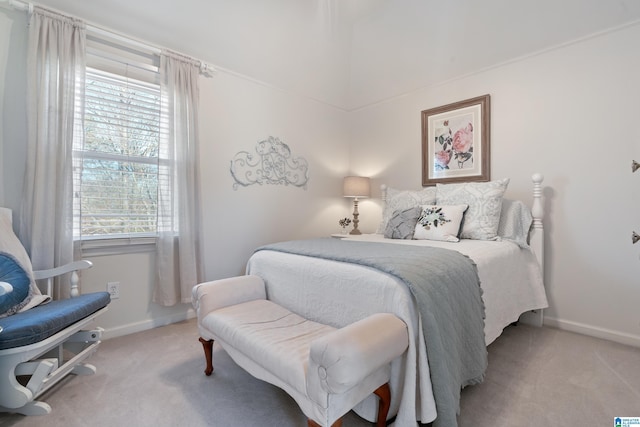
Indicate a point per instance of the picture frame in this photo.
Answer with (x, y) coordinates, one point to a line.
(456, 142)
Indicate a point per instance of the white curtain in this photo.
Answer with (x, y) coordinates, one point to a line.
(55, 83)
(178, 256)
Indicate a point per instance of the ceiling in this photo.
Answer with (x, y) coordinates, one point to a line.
(409, 44)
(351, 53)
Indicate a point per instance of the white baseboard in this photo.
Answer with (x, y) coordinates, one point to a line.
(147, 324)
(593, 331)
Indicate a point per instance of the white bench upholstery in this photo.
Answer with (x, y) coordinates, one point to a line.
(326, 370)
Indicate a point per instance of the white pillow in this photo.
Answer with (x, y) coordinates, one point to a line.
(398, 200)
(485, 203)
(440, 223)
(515, 222)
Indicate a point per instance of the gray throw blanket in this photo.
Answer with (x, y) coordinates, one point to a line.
(447, 289)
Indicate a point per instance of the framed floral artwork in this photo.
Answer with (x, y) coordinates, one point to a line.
(455, 142)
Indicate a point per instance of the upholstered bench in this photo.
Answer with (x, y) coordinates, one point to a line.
(327, 371)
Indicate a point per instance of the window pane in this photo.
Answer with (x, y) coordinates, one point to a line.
(121, 117)
(116, 178)
(118, 197)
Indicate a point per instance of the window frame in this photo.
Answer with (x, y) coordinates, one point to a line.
(116, 56)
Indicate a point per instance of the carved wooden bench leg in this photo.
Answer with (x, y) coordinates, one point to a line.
(207, 345)
(384, 393)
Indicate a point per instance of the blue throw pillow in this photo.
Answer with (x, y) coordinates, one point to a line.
(12, 273)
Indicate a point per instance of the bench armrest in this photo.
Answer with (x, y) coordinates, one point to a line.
(342, 359)
(210, 296)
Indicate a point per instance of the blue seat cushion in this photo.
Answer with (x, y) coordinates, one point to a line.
(43, 321)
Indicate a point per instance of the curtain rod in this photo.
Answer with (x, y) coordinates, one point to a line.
(205, 69)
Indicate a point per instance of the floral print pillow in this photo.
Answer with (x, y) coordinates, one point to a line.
(437, 222)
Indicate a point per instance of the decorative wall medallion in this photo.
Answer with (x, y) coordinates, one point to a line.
(273, 164)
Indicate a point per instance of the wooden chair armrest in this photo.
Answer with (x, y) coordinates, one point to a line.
(72, 267)
(58, 271)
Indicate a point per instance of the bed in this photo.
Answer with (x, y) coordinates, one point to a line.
(509, 269)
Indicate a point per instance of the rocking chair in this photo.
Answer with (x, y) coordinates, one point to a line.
(40, 345)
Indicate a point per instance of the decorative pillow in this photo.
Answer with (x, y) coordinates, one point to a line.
(15, 269)
(403, 199)
(485, 204)
(11, 273)
(402, 223)
(11, 268)
(440, 223)
(515, 222)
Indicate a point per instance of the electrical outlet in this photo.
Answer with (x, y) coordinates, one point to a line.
(114, 289)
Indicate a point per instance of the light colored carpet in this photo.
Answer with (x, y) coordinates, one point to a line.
(536, 377)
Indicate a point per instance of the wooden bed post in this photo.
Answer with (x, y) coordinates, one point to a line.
(383, 194)
(536, 241)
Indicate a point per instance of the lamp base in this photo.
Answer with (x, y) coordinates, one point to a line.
(355, 217)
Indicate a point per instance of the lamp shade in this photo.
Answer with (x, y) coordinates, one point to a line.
(356, 186)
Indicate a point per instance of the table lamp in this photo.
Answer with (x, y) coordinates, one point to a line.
(356, 187)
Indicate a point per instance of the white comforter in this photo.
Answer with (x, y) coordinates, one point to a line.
(337, 294)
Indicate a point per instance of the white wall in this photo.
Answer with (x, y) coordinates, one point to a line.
(569, 113)
(411, 44)
(236, 113)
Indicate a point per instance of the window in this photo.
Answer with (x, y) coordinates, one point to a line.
(116, 160)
